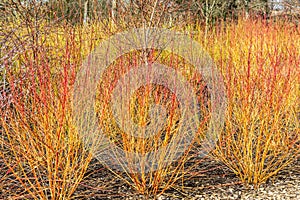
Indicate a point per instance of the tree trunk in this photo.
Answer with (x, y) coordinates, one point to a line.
(85, 12)
(113, 10)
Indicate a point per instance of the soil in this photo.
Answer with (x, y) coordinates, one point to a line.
(213, 181)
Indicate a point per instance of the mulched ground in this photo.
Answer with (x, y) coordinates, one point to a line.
(215, 182)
